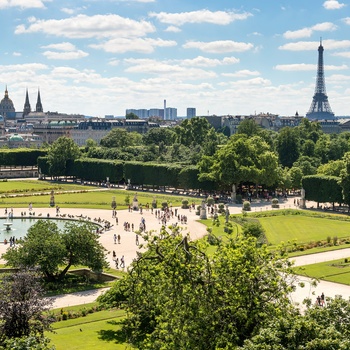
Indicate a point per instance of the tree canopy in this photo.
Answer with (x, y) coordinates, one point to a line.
(50, 249)
(177, 297)
(60, 153)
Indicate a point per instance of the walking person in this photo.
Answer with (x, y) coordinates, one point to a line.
(137, 239)
(122, 262)
(116, 263)
(115, 238)
(118, 239)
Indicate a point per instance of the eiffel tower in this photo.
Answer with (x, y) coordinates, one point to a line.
(320, 108)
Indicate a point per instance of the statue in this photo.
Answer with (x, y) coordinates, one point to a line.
(233, 193)
(135, 203)
(52, 199)
(302, 191)
(203, 211)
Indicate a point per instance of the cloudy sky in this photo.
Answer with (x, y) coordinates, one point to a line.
(99, 57)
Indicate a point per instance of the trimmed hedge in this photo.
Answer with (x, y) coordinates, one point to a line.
(322, 188)
(20, 156)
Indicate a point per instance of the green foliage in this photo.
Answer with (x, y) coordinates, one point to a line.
(21, 307)
(61, 152)
(121, 138)
(27, 343)
(176, 297)
(246, 206)
(45, 246)
(319, 328)
(20, 156)
(287, 146)
(322, 189)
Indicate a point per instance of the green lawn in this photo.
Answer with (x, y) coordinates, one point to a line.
(334, 271)
(302, 229)
(31, 186)
(95, 199)
(93, 332)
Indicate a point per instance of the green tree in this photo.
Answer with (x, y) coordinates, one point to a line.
(50, 249)
(176, 297)
(332, 168)
(287, 146)
(241, 159)
(157, 135)
(60, 153)
(319, 328)
(248, 127)
(121, 138)
(131, 116)
(22, 305)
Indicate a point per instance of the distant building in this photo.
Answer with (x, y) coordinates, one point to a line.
(7, 109)
(190, 112)
(21, 141)
(170, 113)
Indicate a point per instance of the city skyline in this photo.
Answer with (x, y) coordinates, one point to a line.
(102, 57)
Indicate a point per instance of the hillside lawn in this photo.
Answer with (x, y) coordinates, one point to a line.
(302, 229)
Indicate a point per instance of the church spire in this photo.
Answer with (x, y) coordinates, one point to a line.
(39, 106)
(27, 109)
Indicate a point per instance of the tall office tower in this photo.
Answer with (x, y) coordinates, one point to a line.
(320, 108)
(191, 112)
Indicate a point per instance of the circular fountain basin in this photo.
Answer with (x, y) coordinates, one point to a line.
(18, 226)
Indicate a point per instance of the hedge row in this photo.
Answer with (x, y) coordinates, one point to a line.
(20, 156)
(322, 189)
(139, 173)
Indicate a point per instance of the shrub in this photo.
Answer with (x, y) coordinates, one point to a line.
(184, 204)
(210, 200)
(239, 199)
(246, 206)
(274, 203)
(335, 240)
(164, 205)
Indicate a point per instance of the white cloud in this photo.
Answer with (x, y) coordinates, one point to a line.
(67, 51)
(24, 4)
(242, 73)
(346, 20)
(68, 11)
(312, 45)
(67, 55)
(23, 67)
(167, 69)
(307, 32)
(333, 5)
(122, 45)
(173, 29)
(16, 54)
(307, 67)
(200, 16)
(82, 26)
(220, 46)
(345, 54)
(201, 61)
(61, 46)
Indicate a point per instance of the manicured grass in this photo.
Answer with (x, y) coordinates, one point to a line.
(93, 332)
(34, 186)
(302, 229)
(95, 198)
(333, 271)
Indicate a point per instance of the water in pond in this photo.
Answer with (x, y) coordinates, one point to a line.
(18, 227)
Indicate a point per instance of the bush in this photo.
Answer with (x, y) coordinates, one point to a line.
(184, 204)
(239, 199)
(246, 206)
(164, 205)
(210, 200)
(221, 208)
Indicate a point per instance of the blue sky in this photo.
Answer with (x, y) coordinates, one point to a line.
(99, 57)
